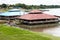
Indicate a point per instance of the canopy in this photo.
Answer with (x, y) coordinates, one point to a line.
(12, 12)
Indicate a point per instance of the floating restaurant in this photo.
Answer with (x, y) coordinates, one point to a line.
(37, 17)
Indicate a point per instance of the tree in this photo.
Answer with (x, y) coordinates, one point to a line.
(10, 6)
(4, 6)
(20, 5)
(42, 6)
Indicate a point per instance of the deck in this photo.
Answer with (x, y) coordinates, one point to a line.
(41, 21)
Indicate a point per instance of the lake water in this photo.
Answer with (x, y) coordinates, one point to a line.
(53, 29)
(53, 11)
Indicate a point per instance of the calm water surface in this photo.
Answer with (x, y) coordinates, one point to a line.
(53, 29)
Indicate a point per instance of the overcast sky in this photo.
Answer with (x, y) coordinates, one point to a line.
(31, 2)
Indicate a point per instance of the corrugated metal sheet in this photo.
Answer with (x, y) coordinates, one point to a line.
(36, 16)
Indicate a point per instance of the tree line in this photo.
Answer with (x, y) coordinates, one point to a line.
(19, 5)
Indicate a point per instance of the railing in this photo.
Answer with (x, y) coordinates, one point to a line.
(41, 21)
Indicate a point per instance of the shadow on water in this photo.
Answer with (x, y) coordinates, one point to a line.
(40, 27)
(53, 28)
(43, 27)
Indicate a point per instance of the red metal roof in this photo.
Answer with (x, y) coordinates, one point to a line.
(36, 16)
(35, 11)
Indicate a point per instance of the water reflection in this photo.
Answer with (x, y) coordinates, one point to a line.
(53, 29)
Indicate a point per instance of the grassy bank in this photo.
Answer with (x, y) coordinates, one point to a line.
(12, 33)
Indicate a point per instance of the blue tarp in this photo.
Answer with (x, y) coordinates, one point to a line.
(12, 12)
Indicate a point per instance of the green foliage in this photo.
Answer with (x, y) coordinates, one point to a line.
(19, 5)
(4, 6)
(12, 33)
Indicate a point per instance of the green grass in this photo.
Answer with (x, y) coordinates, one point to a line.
(13, 33)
